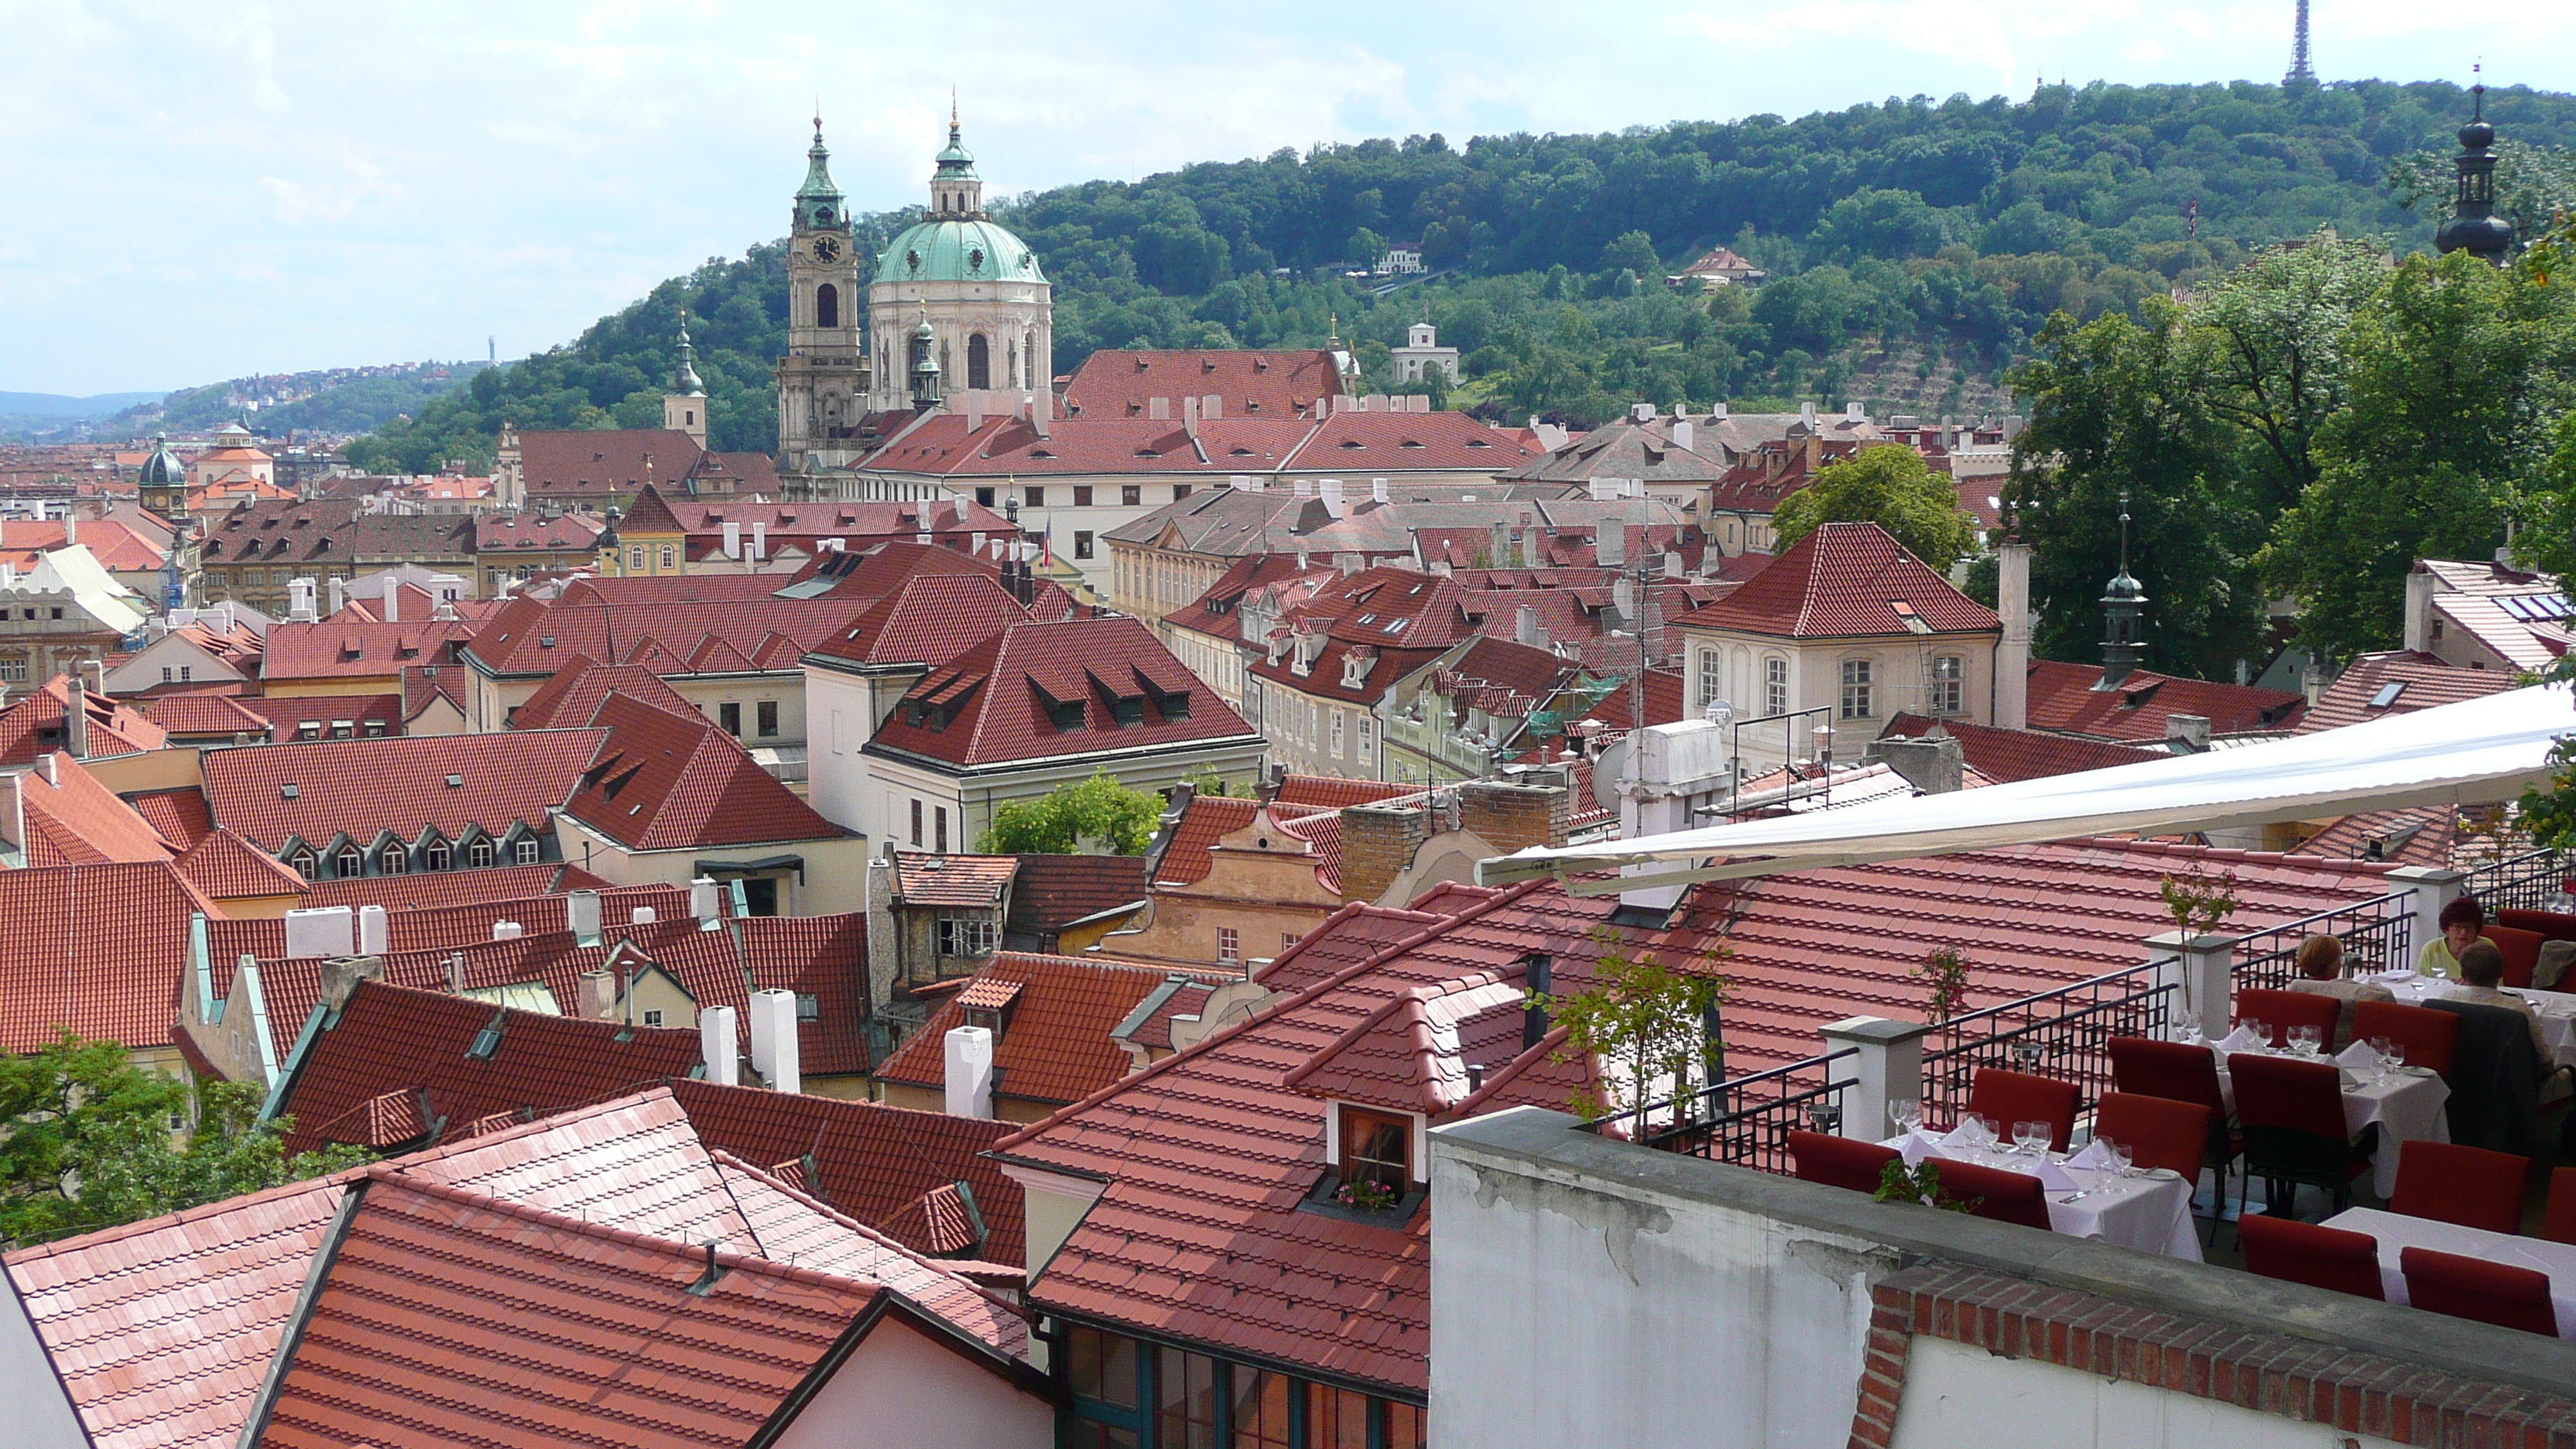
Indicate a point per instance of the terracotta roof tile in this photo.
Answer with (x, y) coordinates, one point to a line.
(923, 879)
(330, 716)
(2420, 681)
(1055, 1045)
(205, 713)
(534, 637)
(93, 949)
(359, 649)
(2063, 699)
(180, 815)
(994, 699)
(319, 791)
(928, 620)
(72, 819)
(33, 725)
(1052, 891)
(1844, 579)
(667, 781)
(2003, 756)
(429, 889)
(227, 867)
(1248, 383)
(573, 693)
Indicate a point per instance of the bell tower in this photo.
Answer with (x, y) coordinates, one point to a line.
(822, 379)
(684, 407)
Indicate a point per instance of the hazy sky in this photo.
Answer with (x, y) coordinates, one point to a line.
(198, 190)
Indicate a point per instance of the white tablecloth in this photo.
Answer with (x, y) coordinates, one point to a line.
(2397, 1232)
(2151, 1213)
(2412, 1106)
(2556, 1010)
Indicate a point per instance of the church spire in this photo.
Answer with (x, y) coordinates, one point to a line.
(2474, 227)
(956, 192)
(818, 201)
(2124, 605)
(684, 380)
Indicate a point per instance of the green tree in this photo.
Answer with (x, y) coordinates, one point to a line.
(1633, 251)
(1892, 487)
(1055, 821)
(2458, 374)
(88, 1143)
(1643, 1018)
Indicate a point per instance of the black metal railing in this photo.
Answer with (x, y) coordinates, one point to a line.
(2063, 1034)
(2376, 933)
(2530, 881)
(1746, 1120)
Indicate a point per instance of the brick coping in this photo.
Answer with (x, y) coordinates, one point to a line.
(2205, 1358)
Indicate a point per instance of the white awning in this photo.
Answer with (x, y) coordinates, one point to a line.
(2478, 751)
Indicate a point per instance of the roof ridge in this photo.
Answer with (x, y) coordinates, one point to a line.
(1417, 997)
(878, 1239)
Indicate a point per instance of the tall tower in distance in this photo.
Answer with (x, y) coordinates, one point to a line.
(2302, 75)
(822, 379)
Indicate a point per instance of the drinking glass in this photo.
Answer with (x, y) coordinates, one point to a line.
(2262, 1034)
(2123, 1158)
(2030, 1137)
(2396, 1057)
(1907, 1115)
(1986, 1125)
(2380, 1044)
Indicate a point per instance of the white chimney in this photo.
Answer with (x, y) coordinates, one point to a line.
(2191, 729)
(1238, 480)
(759, 540)
(717, 1047)
(75, 716)
(371, 930)
(702, 900)
(1610, 544)
(393, 601)
(339, 595)
(1158, 409)
(1807, 415)
(71, 527)
(1190, 415)
(1682, 432)
(581, 915)
(1377, 490)
(2012, 654)
(1623, 597)
(1331, 489)
(1672, 564)
(508, 931)
(299, 601)
(321, 931)
(642, 916)
(970, 1072)
(1667, 767)
(773, 1016)
(1852, 413)
(1717, 412)
(1525, 625)
(732, 539)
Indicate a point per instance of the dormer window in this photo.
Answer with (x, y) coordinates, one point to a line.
(1377, 1150)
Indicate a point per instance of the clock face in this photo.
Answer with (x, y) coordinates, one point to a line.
(826, 249)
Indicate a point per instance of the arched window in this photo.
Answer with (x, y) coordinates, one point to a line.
(827, 306)
(352, 864)
(979, 361)
(393, 859)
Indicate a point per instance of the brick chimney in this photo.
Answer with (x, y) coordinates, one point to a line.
(1378, 842)
(75, 716)
(597, 995)
(341, 975)
(1505, 815)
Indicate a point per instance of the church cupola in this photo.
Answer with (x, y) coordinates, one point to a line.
(818, 201)
(925, 366)
(684, 407)
(2124, 607)
(955, 190)
(164, 479)
(2474, 227)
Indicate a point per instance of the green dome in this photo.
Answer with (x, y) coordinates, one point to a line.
(163, 469)
(958, 251)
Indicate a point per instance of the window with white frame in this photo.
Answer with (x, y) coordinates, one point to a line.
(1859, 697)
(1948, 684)
(968, 935)
(1229, 946)
(1775, 686)
(1368, 740)
(526, 850)
(1337, 734)
(479, 854)
(1710, 677)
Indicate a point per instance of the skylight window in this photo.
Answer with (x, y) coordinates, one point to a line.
(2387, 694)
(1396, 626)
(454, 781)
(290, 791)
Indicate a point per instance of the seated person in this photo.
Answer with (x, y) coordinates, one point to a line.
(2462, 921)
(2321, 965)
(2481, 968)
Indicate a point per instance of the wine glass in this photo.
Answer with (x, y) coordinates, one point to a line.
(2307, 1041)
(2381, 1045)
(2262, 1033)
(2123, 1158)
(2396, 1057)
(1986, 1127)
(1906, 1114)
(2030, 1137)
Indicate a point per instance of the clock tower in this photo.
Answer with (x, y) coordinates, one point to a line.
(822, 381)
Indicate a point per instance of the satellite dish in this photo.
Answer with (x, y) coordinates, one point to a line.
(1607, 772)
(1720, 712)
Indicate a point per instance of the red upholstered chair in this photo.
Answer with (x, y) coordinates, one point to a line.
(2320, 1257)
(2180, 1072)
(2292, 1113)
(2464, 1287)
(2009, 1097)
(2559, 1226)
(2427, 1035)
(2466, 1185)
(1839, 1161)
(2281, 1010)
(2549, 925)
(2520, 949)
(2157, 1132)
(2007, 1197)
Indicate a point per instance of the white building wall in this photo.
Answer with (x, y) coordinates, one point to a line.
(902, 1391)
(843, 720)
(1959, 1397)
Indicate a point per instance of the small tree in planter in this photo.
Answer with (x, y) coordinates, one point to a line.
(1646, 1016)
(2200, 903)
(1946, 970)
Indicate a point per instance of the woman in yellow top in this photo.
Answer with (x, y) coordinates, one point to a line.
(2462, 922)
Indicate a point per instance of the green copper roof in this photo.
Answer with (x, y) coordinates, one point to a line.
(958, 251)
(685, 381)
(163, 468)
(818, 172)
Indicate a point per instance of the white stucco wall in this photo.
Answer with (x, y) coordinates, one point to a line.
(844, 720)
(902, 1391)
(1958, 1397)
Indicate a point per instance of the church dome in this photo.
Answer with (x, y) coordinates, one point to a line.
(958, 251)
(163, 469)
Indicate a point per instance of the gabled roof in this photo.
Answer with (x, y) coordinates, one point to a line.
(227, 867)
(425, 684)
(672, 781)
(1055, 1044)
(359, 649)
(1054, 891)
(926, 879)
(180, 815)
(1412, 1054)
(928, 620)
(2003, 756)
(2419, 835)
(319, 791)
(1376, 443)
(33, 725)
(2379, 685)
(72, 819)
(93, 949)
(534, 637)
(423, 890)
(119, 546)
(323, 533)
(573, 694)
(2062, 698)
(332, 714)
(1845, 579)
(594, 464)
(993, 700)
(205, 714)
(1249, 383)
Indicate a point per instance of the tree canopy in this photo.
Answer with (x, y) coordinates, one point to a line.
(1054, 823)
(89, 1142)
(1892, 487)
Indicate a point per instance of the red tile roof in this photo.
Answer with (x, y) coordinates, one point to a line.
(925, 879)
(2425, 835)
(1206, 820)
(1119, 384)
(425, 683)
(433, 916)
(534, 637)
(501, 532)
(595, 464)
(1369, 443)
(574, 693)
(667, 781)
(33, 725)
(180, 815)
(873, 1162)
(72, 819)
(363, 787)
(1053, 891)
(928, 620)
(2062, 698)
(946, 446)
(1000, 691)
(205, 713)
(1844, 579)
(413, 1044)
(2003, 756)
(93, 949)
(118, 546)
(227, 867)
(1054, 1045)
(354, 649)
(336, 715)
(1327, 793)
(2422, 681)
(432, 889)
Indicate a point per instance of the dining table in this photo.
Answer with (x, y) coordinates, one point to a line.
(2409, 1104)
(2556, 1010)
(2149, 1211)
(2396, 1232)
